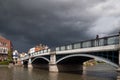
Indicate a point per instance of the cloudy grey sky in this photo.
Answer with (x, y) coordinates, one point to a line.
(54, 22)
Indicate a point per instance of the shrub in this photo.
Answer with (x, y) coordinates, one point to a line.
(4, 63)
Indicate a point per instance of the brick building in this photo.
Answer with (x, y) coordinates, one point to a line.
(5, 46)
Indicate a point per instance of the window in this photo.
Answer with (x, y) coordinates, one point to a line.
(0, 43)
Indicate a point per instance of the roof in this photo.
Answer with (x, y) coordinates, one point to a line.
(2, 37)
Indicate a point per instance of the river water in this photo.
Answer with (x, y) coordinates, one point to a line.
(98, 72)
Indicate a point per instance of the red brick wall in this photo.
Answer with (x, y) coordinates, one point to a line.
(5, 43)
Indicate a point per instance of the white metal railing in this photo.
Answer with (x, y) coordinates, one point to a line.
(35, 54)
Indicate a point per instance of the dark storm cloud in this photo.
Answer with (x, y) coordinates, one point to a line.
(51, 22)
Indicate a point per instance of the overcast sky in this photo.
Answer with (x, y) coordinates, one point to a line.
(55, 22)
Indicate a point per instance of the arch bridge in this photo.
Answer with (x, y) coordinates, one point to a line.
(106, 49)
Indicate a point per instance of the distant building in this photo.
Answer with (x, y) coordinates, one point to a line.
(31, 50)
(15, 56)
(23, 54)
(5, 47)
(38, 48)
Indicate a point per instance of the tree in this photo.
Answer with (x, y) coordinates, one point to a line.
(10, 55)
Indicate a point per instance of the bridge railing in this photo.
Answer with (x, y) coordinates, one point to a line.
(34, 54)
(46, 51)
(110, 40)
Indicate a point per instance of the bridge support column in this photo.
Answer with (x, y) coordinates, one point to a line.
(22, 63)
(30, 63)
(119, 62)
(52, 65)
(119, 54)
(118, 69)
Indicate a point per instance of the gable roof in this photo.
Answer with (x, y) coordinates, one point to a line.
(1, 37)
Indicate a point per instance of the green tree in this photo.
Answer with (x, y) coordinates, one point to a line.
(10, 55)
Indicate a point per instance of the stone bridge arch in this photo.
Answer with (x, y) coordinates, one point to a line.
(89, 56)
(44, 58)
(40, 62)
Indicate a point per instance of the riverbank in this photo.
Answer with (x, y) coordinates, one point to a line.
(100, 67)
(3, 65)
(10, 65)
(92, 63)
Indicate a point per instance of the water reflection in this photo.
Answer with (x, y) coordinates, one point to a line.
(20, 73)
(5, 73)
(53, 76)
(118, 75)
(104, 72)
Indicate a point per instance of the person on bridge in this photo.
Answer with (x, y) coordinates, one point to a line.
(97, 40)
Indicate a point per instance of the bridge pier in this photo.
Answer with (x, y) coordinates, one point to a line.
(30, 63)
(119, 54)
(119, 57)
(119, 62)
(119, 48)
(118, 76)
(53, 68)
(52, 65)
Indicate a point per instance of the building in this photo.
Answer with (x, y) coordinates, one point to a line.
(38, 48)
(31, 50)
(5, 47)
(15, 56)
(23, 54)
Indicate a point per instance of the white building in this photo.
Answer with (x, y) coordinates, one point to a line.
(15, 55)
(32, 50)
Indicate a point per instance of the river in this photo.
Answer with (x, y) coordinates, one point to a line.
(98, 72)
